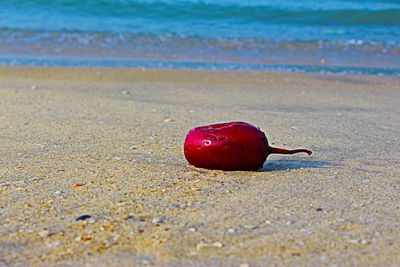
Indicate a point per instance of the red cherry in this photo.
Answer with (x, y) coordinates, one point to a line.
(230, 146)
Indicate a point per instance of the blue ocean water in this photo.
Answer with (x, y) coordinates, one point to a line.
(331, 36)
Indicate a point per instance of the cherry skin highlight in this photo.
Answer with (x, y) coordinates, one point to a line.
(230, 146)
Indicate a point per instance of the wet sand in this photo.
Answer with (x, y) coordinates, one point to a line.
(108, 143)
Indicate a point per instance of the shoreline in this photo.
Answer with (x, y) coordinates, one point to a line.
(108, 143)
(317, 65)
(245, 75)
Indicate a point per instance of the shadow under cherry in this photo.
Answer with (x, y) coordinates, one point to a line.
(279, 165)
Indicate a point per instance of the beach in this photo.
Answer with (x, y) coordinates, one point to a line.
(108, 143)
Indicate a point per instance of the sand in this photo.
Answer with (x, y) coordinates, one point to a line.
(108, 143)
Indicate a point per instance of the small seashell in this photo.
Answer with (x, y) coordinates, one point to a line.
(157, 220)
(44, 233)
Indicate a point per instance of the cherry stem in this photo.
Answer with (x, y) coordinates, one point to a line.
(276, 150)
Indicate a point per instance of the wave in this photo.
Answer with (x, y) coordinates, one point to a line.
(313, 14)
(212, 50)
(102, 39)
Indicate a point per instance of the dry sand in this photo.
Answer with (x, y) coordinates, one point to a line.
(108, 143)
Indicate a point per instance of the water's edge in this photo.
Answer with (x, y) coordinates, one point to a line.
(53, 61)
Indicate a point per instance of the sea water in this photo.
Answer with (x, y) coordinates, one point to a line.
(324, 36)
